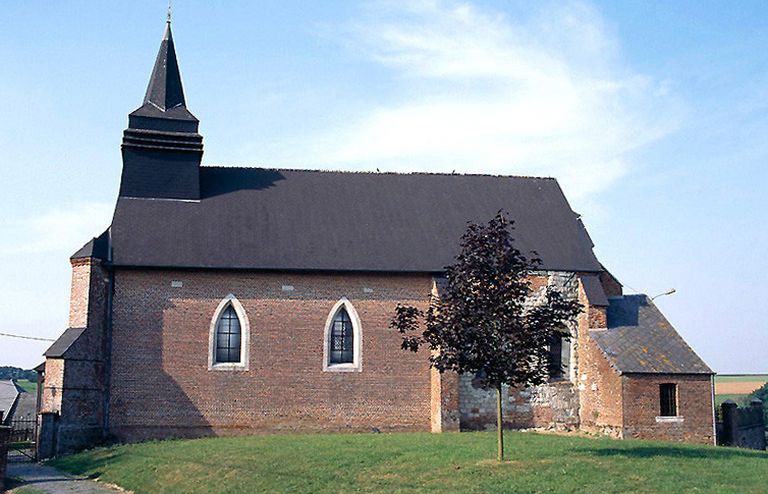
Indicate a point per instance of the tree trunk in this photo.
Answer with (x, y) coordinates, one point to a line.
(499, 422)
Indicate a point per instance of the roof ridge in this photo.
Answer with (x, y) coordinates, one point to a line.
(368, 172)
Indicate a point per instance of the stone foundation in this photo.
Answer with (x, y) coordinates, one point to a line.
(552, 406)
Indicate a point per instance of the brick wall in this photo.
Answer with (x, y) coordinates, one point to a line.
(601, 405)
(601, 401)
(161, 385)
(74, 386)
(611, 285)
(88, 303)
(54, 382)
(641, 407)
(79, 293)
(444, 401)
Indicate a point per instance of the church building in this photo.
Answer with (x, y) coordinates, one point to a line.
(225, 301)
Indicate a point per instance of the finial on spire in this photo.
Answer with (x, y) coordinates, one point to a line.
(169, 12)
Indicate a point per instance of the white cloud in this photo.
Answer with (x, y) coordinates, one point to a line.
(63, 228)
(482, 92)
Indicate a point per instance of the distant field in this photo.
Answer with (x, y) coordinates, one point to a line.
(28, 386)
(739, 384)
(725, 378)
(739, 399)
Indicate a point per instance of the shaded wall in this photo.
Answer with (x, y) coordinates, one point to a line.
(599, 384)
(5, 434)
(742, 427)
(74, 385)
(554, 405)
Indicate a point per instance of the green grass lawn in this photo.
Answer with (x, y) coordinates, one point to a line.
(421, 462)
(28, 490)
(28, 386)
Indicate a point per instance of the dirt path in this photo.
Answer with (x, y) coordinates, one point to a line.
(37, 478)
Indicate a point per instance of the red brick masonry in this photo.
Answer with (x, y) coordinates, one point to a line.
(161, 384)
(694, 407)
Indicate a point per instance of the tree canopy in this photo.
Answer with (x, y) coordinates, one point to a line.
(485, 321)
(8, 372)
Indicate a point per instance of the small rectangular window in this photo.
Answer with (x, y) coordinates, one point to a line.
(668, 399)
(559, 357)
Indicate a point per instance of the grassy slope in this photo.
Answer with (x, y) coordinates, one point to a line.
(421, 463)
(28, 386)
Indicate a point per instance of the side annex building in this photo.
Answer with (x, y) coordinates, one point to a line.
(224, 301)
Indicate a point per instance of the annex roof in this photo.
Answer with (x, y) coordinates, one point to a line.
(639, 339)
(257, 218)
(67, 339)
(594, 291)
(97, 247)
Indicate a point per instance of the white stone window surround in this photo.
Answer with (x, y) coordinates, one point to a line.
(357, 359)
(669, 419)
(245, 336)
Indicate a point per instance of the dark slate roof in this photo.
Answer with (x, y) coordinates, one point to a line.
(255, 218)
(639, 339)
(165, 92)
(593, 289)
(164, 107)
(64, 343)
(97, 247)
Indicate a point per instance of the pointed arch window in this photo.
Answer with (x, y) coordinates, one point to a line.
(342, 338)
(230, 336)
(342, 342)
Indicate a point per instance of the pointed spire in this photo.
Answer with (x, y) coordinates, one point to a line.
(164, 109)
(165, 90)
(164, 106)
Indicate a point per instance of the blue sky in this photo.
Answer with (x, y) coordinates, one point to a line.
(652, 115)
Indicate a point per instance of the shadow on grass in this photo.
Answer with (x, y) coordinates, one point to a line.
(720, 453)
(90, 466)
(12, 483)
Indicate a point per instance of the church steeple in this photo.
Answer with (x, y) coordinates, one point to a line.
(161, 147)
(164, 98)
(165, 90)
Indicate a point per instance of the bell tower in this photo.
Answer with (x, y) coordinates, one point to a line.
(161, 147)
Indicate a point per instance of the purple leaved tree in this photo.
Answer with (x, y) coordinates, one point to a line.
(481, 323)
